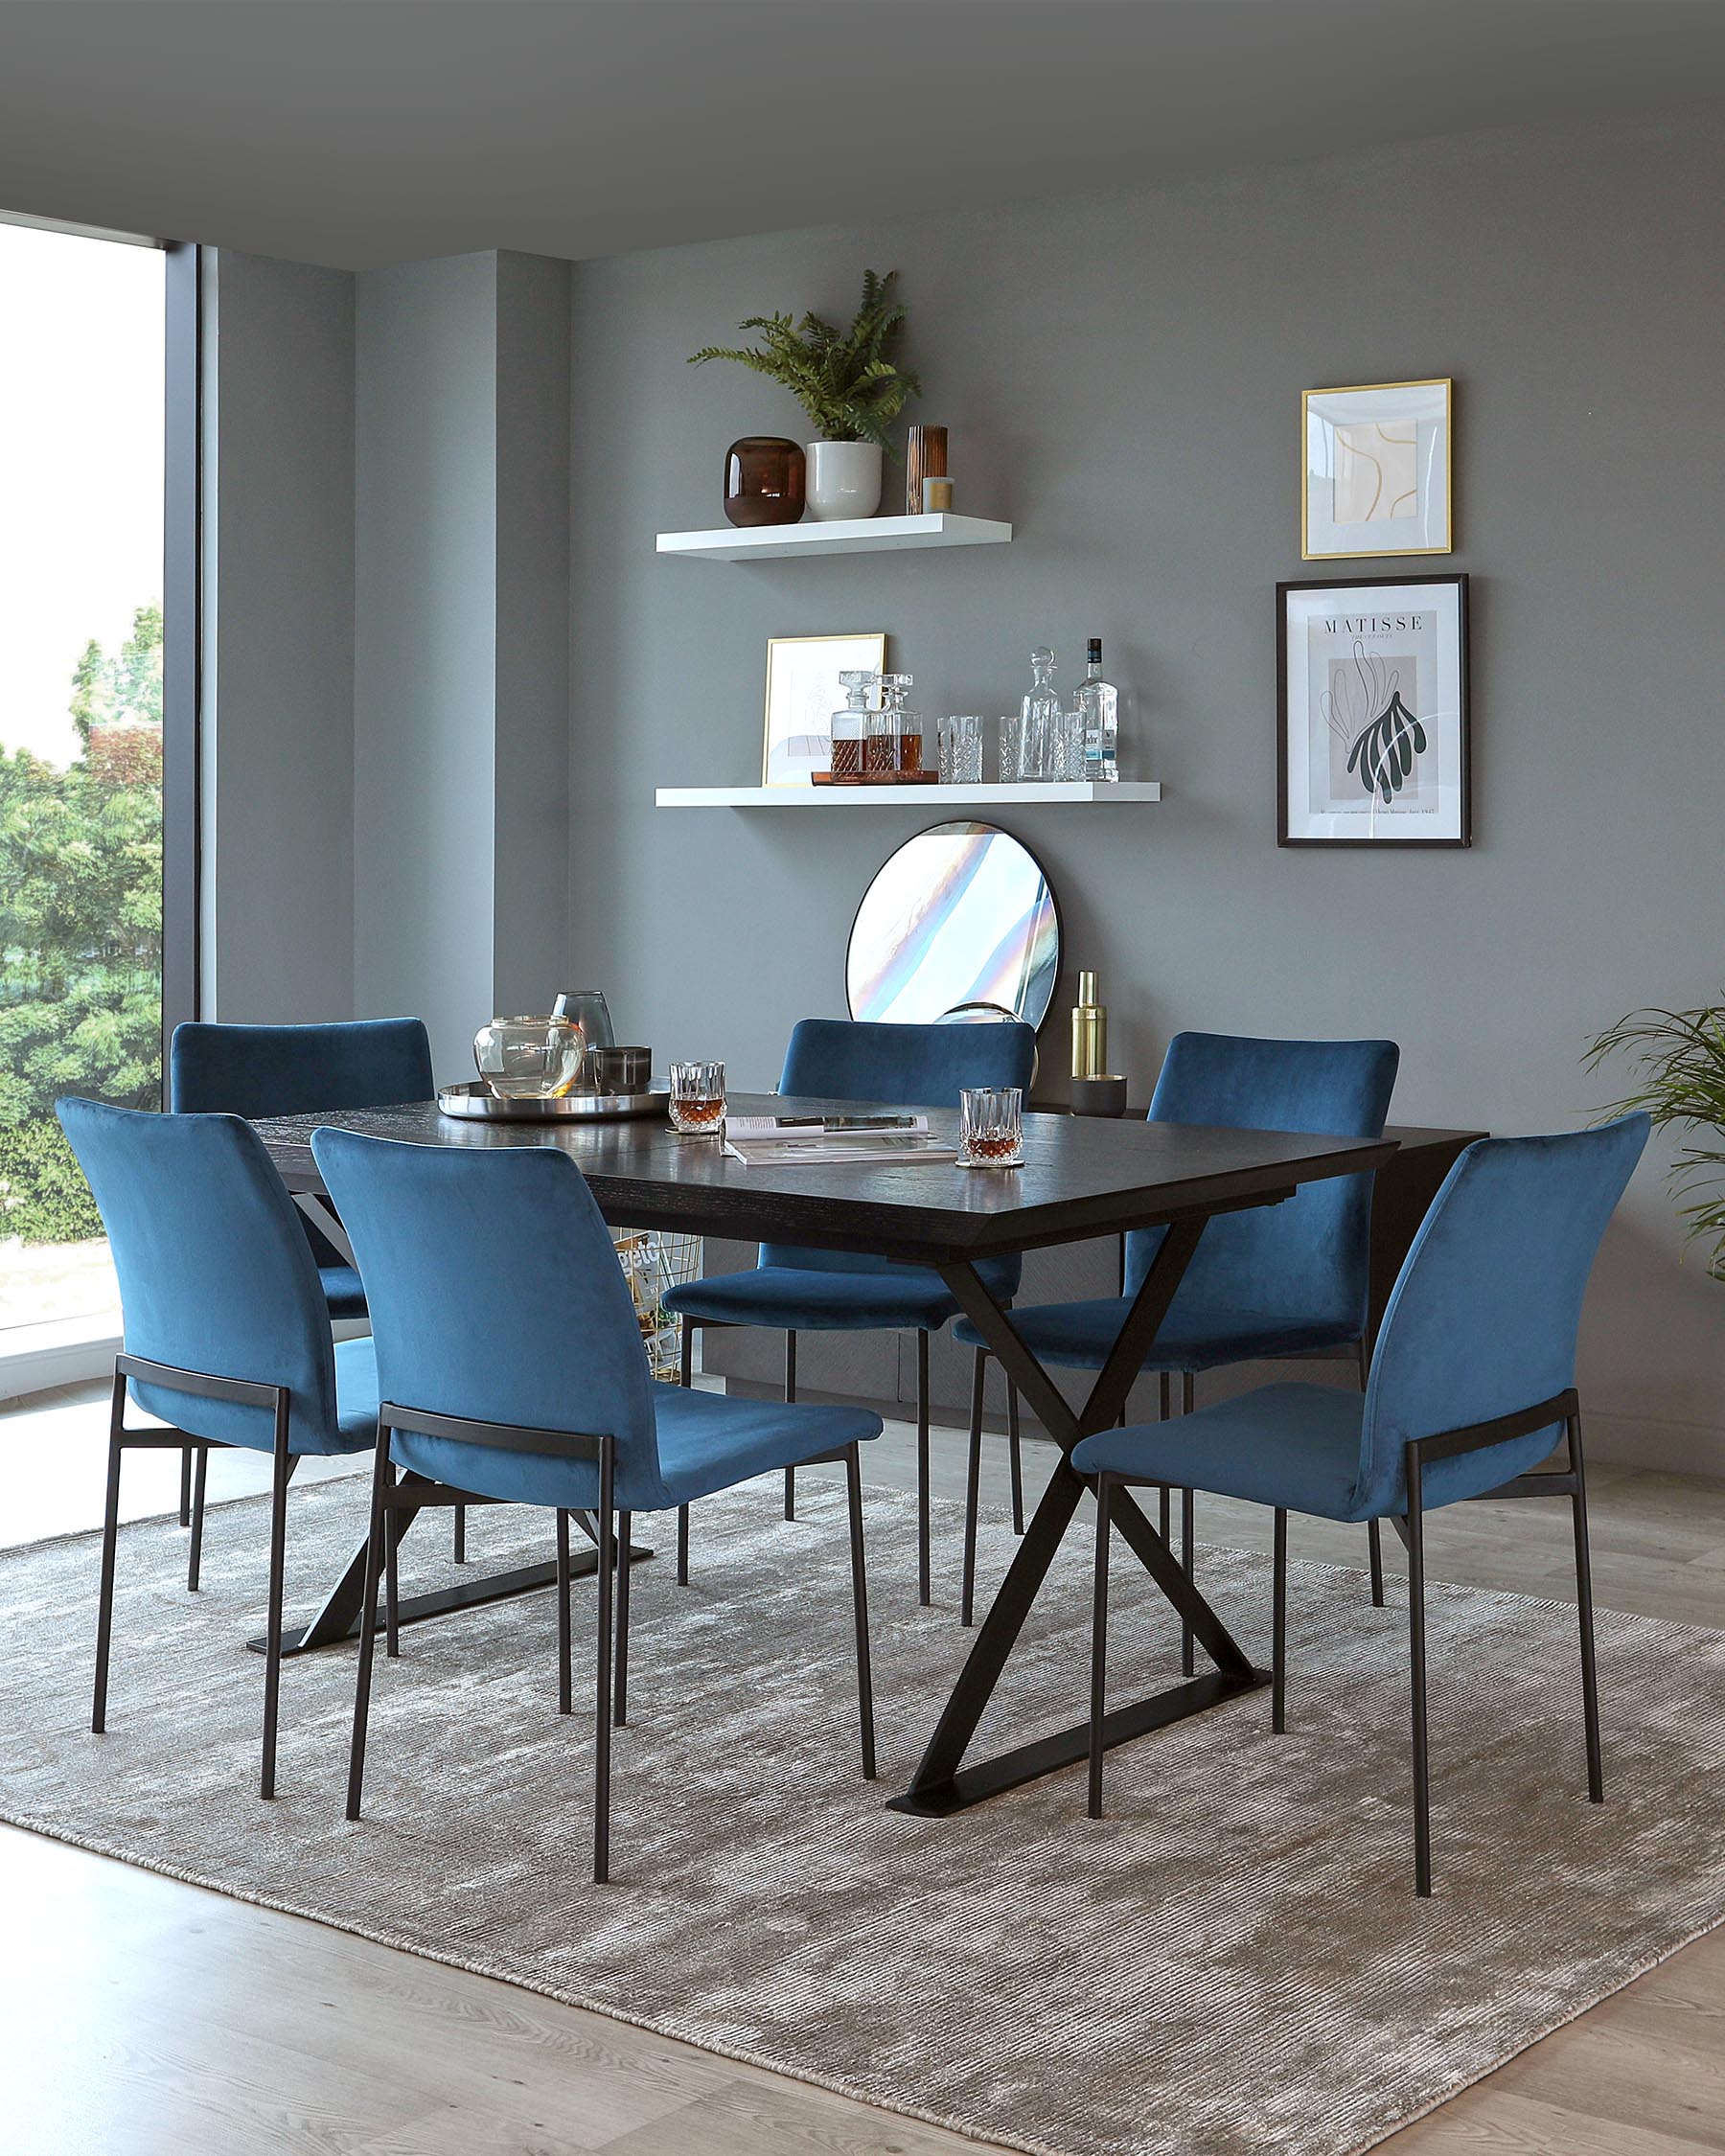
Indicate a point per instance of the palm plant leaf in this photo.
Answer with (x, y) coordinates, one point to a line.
(1680, 1083)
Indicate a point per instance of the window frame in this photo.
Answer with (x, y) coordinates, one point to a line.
(182, 644)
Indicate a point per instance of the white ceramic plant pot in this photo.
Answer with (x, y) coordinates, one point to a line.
(844, 480)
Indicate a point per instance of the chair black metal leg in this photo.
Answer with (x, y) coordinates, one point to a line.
(458, 1535)
(1590, 1676)
(1164, 1496)
(924, 1588)
(392, 1585)
(1374, 1528)
(368, 1624)
(602, 1747)
(185, 1496)
(195, 1555)
(1098, 1703)
(1278, 1628)
(1416, 1656)
(566, 1673)
(685, 1378)
(1017, 1458)
(110, 1532)
(853, 1481)
(790, 1397)
(973, 1487)
(278, 1566)
(624, 1569)
(1188, 1532)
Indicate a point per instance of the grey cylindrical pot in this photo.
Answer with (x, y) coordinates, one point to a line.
(1097, 1096)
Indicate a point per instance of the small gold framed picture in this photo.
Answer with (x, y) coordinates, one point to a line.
(802, 695)
(1375, 471)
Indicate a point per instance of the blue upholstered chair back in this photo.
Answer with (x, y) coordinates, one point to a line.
(495, 1294)
(1304, 1263)
(906, 1067)
(214, 1275)
(256, 1071)
(1483, 1316)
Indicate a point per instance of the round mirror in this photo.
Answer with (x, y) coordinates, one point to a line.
(959, 914)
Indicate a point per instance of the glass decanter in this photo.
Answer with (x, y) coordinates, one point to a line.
(1040, 715)
(912, 729)
(850, 726)
(881, 741)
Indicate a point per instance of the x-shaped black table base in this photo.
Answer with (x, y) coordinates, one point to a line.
(942, 1785)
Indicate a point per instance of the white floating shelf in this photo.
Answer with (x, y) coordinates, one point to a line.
(850, 535)
(1024, 795)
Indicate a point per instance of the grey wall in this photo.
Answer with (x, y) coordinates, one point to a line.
(424, 654)
(531, 774)
(279, 640)
(461, 648)
(1122, 378)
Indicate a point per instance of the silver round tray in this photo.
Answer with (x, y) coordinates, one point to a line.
(474, 1102)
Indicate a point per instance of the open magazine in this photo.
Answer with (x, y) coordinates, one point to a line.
(786, 1141)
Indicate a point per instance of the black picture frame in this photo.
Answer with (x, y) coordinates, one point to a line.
(1458, 585)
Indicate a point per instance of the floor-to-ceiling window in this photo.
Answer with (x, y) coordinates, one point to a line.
(83, 468)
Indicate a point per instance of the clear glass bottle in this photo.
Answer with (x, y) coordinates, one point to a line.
(849, 727)
(1098, 702)
(1039, 712)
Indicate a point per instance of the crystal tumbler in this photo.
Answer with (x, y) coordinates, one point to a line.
(991, 1127)
(697, 1098)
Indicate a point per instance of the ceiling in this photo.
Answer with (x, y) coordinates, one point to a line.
(364, 131)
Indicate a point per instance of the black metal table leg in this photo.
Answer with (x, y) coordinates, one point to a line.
(941, 1784)
(338, 1619)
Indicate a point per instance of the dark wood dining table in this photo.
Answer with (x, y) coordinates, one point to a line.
(1080, 1178)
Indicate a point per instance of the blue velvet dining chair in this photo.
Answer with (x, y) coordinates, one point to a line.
(539, 1391)
(1472, 1383)
(226, 1334)
(1277, 1280)
(259, 1070)
(796, 1289)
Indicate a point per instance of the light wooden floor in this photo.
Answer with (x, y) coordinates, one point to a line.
(140, 2017)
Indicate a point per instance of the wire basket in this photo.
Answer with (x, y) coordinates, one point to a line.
(653, 1265)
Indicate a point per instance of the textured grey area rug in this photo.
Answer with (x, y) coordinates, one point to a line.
(1233, 1961)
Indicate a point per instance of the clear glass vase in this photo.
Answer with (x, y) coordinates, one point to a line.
(530, 1058)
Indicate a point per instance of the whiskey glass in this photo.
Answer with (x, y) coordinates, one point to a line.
(961, 750)
(991, 1127)
(698, 1099)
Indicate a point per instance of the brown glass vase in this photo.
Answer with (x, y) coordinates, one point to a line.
(763, 481)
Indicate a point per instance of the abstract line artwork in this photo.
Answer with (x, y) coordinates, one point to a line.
(1376, 469)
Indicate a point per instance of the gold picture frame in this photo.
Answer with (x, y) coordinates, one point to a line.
(1368, 452)
(802, 694)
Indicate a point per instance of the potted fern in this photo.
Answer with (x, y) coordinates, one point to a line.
(1681, 1085)
(848, 381)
